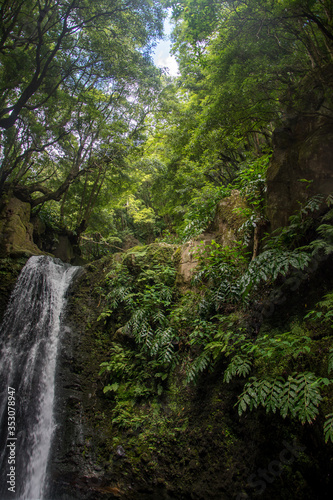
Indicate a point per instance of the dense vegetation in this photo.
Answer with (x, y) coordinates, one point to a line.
(101, 142)
(226, 315)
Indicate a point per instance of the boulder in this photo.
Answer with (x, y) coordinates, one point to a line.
(229, 218)
(189, 256)
(225, 230)
(16, 231)
(63, 249)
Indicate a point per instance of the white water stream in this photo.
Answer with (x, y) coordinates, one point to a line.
(29, 340)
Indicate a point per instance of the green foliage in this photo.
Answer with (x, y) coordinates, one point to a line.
(328, 428)
(273, 352)
(94, 245)
(71, 109)
(231, 281)
(200, 364)
(251, 181)
(220, 267)
(265, 352)
(240, 366)
(292, 235)
(325, 312)
(50, 216)
(133, 379)
(271, 264)
(138, 296)
(201, 212)
(146, 299)
(299, 395)
(248, 59)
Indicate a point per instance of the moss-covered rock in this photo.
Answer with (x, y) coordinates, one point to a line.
(16, 231)
(141, 256)
(229, 218)
(225, 230)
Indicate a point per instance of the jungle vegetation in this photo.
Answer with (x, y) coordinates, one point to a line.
(100, 141)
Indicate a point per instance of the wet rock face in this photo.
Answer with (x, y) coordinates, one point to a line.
(9, 272)
(74, 472)
(23, 236)
(303, 151)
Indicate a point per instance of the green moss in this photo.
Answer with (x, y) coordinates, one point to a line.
(140, 257)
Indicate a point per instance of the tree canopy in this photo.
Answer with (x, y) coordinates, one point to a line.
(86, 118)
(246, 67)
(77, 82)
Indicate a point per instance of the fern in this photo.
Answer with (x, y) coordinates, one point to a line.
(324, 244)
(330, 361)
(162, 344)
(299, 223)
(118, 295)
(328, 428)
(326, 312)
(230, 286)
(265, 392)
(299, 395)
(269, 265)
(240, 366)
(198, 366)
(269, 393)
(159, 318)
(308, 389)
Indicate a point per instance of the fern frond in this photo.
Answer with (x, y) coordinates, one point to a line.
(198, 366)
(330, 361)
(270, 393)
(328, 428)
(166, 294)
(289, 397)
(321, 246)
(309, 396)
(159, 317)
(299, 395)
(326, 231)
(329, 215)
(249, 398)
(168, 354)
(240, 366)
(269, 265)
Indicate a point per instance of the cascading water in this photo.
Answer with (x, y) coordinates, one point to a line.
(29, 339)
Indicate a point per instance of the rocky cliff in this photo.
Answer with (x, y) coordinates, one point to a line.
(302, 162)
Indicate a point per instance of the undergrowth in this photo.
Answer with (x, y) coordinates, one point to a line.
(214, 321)
(278, 367)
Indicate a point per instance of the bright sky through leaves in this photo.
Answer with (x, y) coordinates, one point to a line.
(162, 56)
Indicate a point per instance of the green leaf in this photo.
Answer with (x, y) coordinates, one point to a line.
(113, 387)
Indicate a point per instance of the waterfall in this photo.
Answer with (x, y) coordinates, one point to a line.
(29, 339)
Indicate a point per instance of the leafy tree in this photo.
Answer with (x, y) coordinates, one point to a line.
(251, 56)
(77, 83)
(53, 43)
